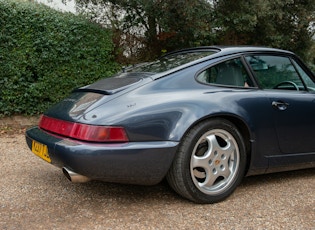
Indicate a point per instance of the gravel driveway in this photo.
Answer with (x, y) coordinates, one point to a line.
(36, 195)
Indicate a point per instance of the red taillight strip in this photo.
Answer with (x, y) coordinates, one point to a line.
(83, 132)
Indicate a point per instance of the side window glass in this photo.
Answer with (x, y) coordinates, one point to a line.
(231, 72)
(307, 80)
(275, 72)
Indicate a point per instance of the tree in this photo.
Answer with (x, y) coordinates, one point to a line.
(145, 27)
(283, 24)
(163, 24)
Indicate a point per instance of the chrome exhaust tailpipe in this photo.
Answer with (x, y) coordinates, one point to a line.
(74, 177)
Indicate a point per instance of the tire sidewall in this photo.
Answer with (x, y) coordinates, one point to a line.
(187, 146)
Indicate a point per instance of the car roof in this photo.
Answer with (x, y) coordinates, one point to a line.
(239, 49)
(217, 51)
(225, 50)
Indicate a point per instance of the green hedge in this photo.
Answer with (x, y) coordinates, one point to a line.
(44, 54)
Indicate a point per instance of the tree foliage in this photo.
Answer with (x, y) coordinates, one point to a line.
(286, 24)
(173, 24)
(44, 54)
(162, 24)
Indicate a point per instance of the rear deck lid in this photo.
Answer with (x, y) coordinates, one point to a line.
(120, 82)
(89, 97)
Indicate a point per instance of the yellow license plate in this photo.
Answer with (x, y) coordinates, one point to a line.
(41, 150)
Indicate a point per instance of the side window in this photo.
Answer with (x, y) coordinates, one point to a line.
(231, 72)
(275, 72)
(307, 80)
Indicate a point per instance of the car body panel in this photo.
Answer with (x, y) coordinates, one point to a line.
(295, 129)
(142, 163)
(157, 110)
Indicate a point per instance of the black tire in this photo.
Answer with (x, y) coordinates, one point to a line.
(210, 162)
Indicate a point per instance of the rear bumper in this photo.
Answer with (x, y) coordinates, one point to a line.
(144, 163)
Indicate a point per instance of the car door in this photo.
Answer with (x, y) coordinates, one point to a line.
(290, 90)
(239, 96)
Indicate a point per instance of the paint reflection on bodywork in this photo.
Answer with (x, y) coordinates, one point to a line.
(84, 103)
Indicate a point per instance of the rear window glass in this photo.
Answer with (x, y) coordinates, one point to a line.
(169, 62)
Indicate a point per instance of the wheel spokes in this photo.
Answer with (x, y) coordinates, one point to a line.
(215, 166)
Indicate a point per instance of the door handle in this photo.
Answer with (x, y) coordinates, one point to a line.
(280, 105)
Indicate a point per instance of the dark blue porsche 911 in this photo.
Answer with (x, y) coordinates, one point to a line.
(203, 118)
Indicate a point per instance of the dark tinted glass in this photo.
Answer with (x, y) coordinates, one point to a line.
(169, 62)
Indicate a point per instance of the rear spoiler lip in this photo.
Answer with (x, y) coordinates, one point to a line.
(113, 85)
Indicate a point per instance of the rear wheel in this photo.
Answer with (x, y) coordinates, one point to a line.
(210, 162)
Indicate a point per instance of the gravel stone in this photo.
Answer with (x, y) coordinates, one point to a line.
(36, 195)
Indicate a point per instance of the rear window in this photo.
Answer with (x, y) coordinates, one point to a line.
(168, 62)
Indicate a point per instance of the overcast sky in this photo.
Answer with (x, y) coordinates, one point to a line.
(57, 4)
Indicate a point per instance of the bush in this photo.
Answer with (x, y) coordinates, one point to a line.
(44, 54)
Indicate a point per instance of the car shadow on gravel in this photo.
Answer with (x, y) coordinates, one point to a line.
(163, 194)
(133, 193)
(272, 178)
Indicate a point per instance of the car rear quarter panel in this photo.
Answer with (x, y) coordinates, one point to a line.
(168, 107)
